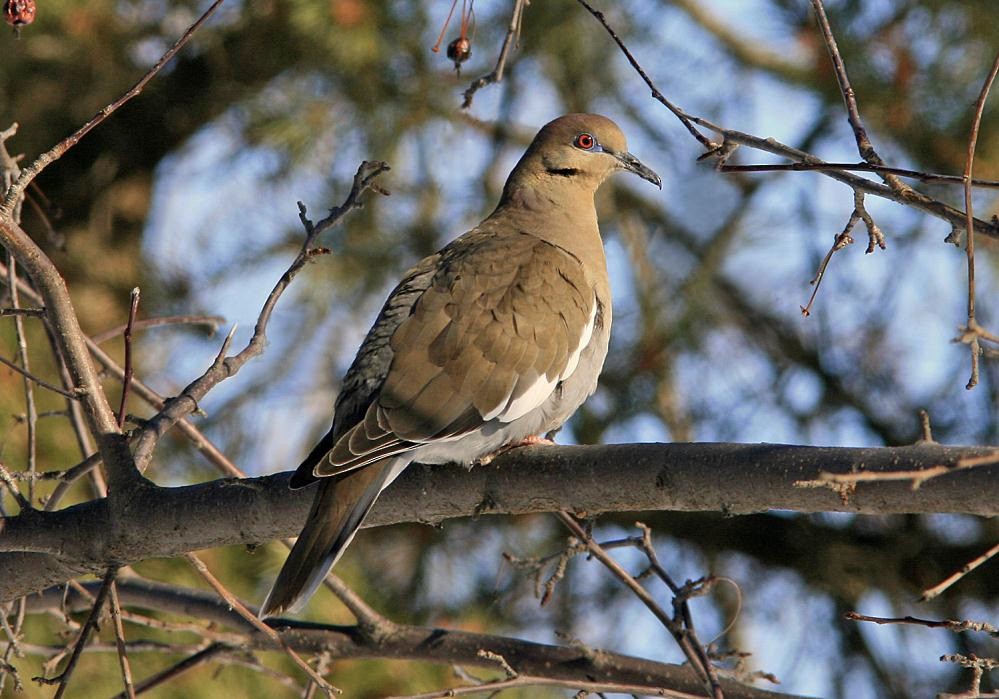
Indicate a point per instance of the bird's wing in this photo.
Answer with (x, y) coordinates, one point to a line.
(367, 372)
(504, 319)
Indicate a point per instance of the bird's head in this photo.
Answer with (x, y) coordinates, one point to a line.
(579, 150)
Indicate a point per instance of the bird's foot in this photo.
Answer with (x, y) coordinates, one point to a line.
(533, 440)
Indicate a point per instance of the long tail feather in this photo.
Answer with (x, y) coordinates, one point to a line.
(338, 509)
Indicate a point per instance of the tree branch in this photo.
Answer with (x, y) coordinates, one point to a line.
(426, 644)
(46, 548)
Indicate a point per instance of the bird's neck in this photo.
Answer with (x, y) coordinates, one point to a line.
(567, 219)
(548, 203)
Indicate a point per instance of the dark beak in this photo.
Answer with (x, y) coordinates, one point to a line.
(632, 164)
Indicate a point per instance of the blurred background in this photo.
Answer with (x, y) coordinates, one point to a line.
(190, 193)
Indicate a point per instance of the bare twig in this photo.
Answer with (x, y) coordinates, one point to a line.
(925, 429)
(371, 623)
(859, 167)
(846, 483)
(119, 638)
(496, 75)
(29, 390)
(227, 366)
(524, 681)
(259, 625)
(212, 322)
(126, 383)
(938, 589)
(570, 663)
(950, 624)
(102, 421)
(62, 679)
(972, 325)
(189, 663)
(656, 94)
(41, 382)
(730, 138)
(978, 666)
(910, 197)
(864, 145)
(32, 312)
(875, 237)
(839, 242)
(8, 480)
(685, 639)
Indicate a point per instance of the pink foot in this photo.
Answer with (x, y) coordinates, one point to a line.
(533, 440)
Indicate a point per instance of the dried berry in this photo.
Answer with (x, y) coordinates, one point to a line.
(459, 50)
(18, 13)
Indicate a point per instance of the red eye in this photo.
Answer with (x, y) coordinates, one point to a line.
(584, 141)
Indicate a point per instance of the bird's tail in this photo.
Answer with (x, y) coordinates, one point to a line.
(338, 509)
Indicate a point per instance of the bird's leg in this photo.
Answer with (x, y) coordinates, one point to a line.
(533, 440)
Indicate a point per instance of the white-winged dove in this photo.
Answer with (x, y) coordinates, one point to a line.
(497, 338)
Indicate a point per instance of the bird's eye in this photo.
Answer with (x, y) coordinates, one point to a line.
(584, 141)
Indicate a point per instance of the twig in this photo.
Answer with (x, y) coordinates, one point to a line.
(62, 679)
(119, 638)
(41, 382)
(925, 429)
(951, 624)
(875, 237)
(260, 626)
(213, 323)
(126, 383)
(496, 76)
(202, 656)
(530, 681)
(839, 242)
(911, 197)
(226, 366)
(569, 663)
(978, 666)
(694, 653)
(656, 94)
(32, 171)
(10, 170)
(730, 138)
(499, 660)
(846, 483)
(859, 167)
(32, 312)
(8, 480)
(372, 624)
(864, 145)
(938, 589)
(972, 326)
(202, 443)
(29, 391)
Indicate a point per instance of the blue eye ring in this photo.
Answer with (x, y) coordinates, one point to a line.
(584, 141)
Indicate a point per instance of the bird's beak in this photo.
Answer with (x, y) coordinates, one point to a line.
(632, 164)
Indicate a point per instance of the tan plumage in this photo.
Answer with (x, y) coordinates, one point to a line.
(499, 336)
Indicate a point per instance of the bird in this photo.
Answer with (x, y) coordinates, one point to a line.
(495, 339)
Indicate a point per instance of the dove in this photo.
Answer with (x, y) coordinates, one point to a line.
(497, 338)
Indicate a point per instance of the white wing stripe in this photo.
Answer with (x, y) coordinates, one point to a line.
(510, 408)
(530, 399)
(584, 340)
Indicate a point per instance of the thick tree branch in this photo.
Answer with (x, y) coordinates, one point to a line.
(47, 548)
